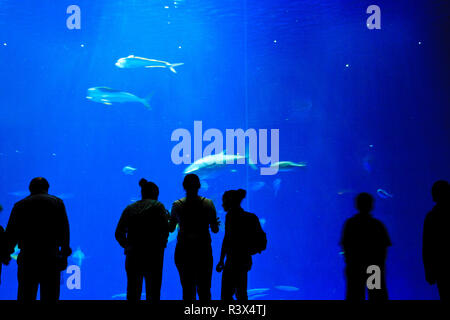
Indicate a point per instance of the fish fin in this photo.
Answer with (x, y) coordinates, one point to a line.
(173, 65)
(146, 101)
(107, 103)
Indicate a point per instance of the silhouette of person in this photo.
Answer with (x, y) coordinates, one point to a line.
(235, 246)
(142, 231)
(365, 241)
(4, 257)
(435, 240)
(38, 224)
(194, 215)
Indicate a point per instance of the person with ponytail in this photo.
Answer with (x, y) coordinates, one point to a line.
(142, 231)
(243, 237)
(195, 216)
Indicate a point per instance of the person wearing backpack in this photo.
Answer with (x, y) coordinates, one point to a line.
(244, 237)
(195, 216)
(142, 231)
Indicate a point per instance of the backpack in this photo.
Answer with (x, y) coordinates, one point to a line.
(257, 239)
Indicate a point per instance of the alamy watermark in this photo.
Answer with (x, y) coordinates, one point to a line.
(74, 279)
(374, 280)
(74, 20)
(254, 152)
(374, 20)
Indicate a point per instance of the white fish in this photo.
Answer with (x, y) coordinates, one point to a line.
(19, 193)
(65, 196)
(109, 96)
(138, 62)
(287, 288)
(257, 185)
(205, 185)
(124, 296)
(384, 194)
(119, 296)
(129, 170)
(257, 291)
(257, 296)
(207, 166)
(288, 165)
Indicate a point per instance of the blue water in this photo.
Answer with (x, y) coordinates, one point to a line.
(366, 109)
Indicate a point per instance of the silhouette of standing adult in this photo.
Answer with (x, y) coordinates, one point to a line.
(142, 231)
(236, 246)
(436, 239)
(39, 226)
(365, 241)
(194, 215)
(4, 257)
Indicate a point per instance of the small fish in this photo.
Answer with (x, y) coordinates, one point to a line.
(78, 256)
(138, 62)
(19, 193)
(204, 185)
(129, 170)
(124, 296)
(109, 96)
(384, 194)
(366, 165)
(257, 185)
(285, 166)
(276, 186)
(257, 296)
(345, 191)
(65, 196)
(287, 288)
(257, 291)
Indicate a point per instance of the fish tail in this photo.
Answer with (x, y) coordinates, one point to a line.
(173, 65)
(146, 101)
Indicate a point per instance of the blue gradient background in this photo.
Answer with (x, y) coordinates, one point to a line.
(393, 95)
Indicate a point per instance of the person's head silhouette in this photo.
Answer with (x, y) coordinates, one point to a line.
(231, 199)
(149, 190)
(191, 184)
(364, 203)
(440, 191)
(39, 185)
